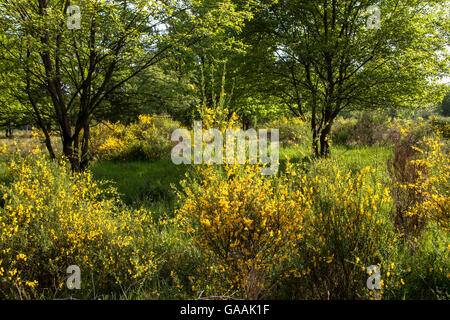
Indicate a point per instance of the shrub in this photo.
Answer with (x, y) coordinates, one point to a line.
(244, 224)
(52, 218)
(146, 139)
(366, 130)
(420, 172)
(106, 141)
(343, 131)
(404, 172)
(432, 183)
(370, 128)
(344, 233)
(442, 125)
(292, 131)
(423, 271)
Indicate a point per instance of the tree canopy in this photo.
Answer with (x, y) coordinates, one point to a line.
(81, 60)
(322, 57)
(68, 64)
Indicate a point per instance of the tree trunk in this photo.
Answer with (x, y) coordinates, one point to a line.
(9, 132)
(85, 147)
(76, 147)
(69, 153)
(324, 145)
(48, 144)
(315, 143)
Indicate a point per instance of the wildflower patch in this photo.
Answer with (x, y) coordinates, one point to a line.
(209, 147)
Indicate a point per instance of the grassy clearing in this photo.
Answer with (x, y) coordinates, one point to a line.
(354, 159)
(150, 184)
(142, 183)
(181, 272)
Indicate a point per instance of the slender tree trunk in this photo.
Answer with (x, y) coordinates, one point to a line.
(315, 142)
(327, 122)
(85, 147)
(324, 145)
(69, 153)
(48, 144)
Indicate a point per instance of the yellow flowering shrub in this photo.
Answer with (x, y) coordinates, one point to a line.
(442, 125)
(245, 224)
(25, 144)
(3, 148)
(344, 232)
(219, 118)
(146, 139)
(51, 219)
(432, 183)
(419, 170)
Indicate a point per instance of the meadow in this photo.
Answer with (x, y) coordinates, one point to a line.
(343, 192)
(140, 227)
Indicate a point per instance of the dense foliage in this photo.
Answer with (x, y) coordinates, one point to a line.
(89, 104)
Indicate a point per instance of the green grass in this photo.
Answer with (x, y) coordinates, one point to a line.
(3, 169)
(354, 159)
(362, 156)
(142, 183)
(294, 153)
(148, 184)
(3, 172)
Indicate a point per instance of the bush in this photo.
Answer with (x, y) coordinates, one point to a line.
(298, 235)
(366, 130)
(423, 269)
(442, 125)
(434, 186)
(344, 233)
(244, 225)
(420, 170)
(292, 131)
(146, 139)
(52, 219)
(343, 131)
(370, 128)
(404, 172)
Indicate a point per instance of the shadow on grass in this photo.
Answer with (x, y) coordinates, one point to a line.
(143, 183)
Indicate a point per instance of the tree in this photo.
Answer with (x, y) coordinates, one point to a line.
(79, 68)
(160, 89)
(14, 109)
(444, 107)
(328, 56)
(12, 116)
